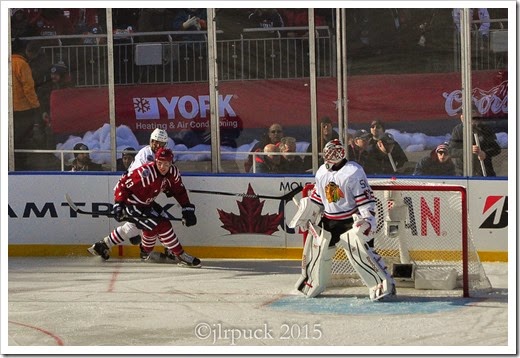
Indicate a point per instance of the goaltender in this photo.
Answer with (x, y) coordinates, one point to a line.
(342, 203)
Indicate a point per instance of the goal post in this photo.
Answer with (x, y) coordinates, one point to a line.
(424, 236)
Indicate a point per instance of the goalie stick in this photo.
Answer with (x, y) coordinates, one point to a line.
(74, 207)
(285, 197)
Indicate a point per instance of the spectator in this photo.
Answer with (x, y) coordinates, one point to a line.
(191, 20)
(384, 150)
(125, 19)
(269, 163)
(326, 133)
(52, 22)
(273, 136)
(26, 106)
(358, 150)
(59, 78)
(19, 24)
(266, 19)
(39, 63)
(290, 163)
(127, 157)
(84, 20)
(482, 153)
(482, 14)
(437, 163)
(82, 161)
(192, 54)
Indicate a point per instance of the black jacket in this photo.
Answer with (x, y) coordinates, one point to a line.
(488, 143)
(430, 165)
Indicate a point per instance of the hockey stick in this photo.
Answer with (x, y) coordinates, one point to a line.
(392, 162)
(74, 207)
(285, 197)
(482, 165)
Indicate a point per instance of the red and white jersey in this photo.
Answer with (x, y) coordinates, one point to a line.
(142, 186)
(344, 192)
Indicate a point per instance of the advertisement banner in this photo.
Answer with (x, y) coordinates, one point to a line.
(255, 104)
(224, 221)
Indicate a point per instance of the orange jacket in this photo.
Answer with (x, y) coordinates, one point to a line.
(24, 95)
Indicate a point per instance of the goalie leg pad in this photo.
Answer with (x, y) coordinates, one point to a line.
(369, 266)
(316, 263)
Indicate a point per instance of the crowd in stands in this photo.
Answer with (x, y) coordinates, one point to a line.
(371, 32)
(379, 153)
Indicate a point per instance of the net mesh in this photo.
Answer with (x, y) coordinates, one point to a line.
(422, 224)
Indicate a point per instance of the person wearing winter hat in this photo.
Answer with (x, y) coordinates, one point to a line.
(386, 154)
(60, 76)
(438, 162)
(358, 150)
(82, 161)
(127, 157)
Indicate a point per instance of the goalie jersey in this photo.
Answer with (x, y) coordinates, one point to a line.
(344, 192)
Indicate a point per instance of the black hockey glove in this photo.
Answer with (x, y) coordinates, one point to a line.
(119, 211)
(188, 215)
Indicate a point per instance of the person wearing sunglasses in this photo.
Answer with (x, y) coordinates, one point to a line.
(438, 162)
(273, 136)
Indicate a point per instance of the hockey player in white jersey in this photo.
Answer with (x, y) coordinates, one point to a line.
(342, 203)
(129, 231)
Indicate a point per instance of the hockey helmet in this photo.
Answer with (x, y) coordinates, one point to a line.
(333, 153)
(159, 135)
(164, 154)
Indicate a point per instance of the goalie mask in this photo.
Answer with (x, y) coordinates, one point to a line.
(333, 153)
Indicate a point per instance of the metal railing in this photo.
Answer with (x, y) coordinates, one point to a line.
(180, 61)
(487, 52)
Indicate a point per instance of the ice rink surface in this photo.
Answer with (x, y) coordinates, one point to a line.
(87, 306)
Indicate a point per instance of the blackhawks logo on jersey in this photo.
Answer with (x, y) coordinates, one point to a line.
(333, 192)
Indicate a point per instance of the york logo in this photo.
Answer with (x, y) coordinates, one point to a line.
(495, 208)
(188, 107)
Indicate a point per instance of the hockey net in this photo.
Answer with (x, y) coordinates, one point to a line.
(420, 227)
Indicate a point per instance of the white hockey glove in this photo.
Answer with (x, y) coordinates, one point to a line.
(307, 211)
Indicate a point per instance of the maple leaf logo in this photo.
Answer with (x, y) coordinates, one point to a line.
(250, 219)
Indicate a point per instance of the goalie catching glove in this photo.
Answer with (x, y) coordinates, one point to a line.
(188, 215)
(308, 210)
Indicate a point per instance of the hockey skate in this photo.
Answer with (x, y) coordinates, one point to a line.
(143, 254)
(159, 257)
(383, 291)
(100, 248)
(187, 260)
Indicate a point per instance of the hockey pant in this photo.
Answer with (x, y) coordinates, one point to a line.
(369, 266)
(131, 230)
(316, 262)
